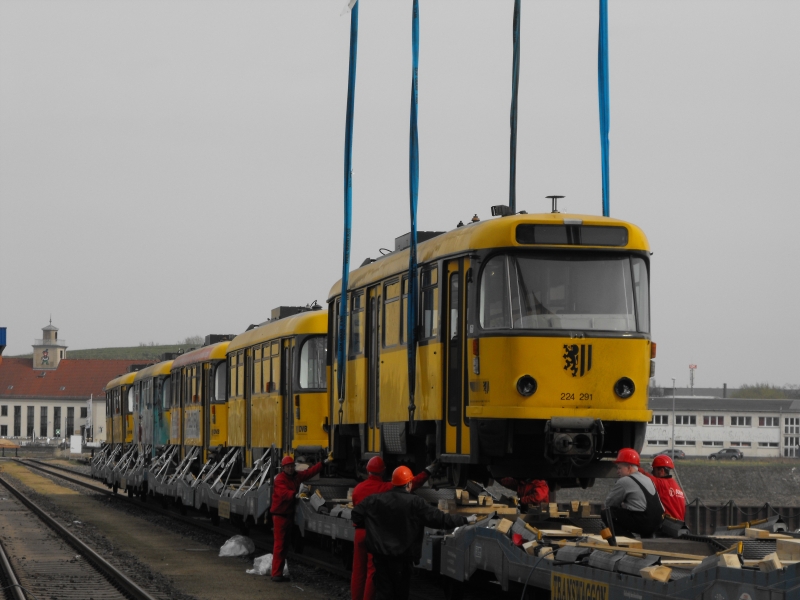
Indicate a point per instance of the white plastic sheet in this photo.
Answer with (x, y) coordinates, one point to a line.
(262, 565)
(238, 545)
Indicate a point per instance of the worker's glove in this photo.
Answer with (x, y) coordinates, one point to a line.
(472, 519)
(328, 460)
(433, 467)
(303, 489)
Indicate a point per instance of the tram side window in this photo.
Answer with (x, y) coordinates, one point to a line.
(404, 311)
(130, 400)
(137, 392)
(642, 291)
(220, 382)
(197, 384)
(240, 373)
(357, 324)
(313, 358)
(275, 368)
(391, 314)
(166, 399)
(258, 360)
(430, 303)
(232, 378)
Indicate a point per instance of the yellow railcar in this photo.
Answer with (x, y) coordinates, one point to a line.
(119, 409)
(276, 379)
(534, 352)
(199, 409)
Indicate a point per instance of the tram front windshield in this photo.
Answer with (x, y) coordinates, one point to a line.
(571, 291)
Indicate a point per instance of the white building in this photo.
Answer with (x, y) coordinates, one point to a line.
(703, 425)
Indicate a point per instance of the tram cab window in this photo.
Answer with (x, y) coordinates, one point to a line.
(564, 291)
(313, 358)
(165, 393)
(220, 383)
(357, 323)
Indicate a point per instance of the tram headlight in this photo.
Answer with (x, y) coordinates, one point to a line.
(526, 386)
(624, 388)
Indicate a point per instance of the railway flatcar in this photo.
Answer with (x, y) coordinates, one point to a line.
(534, 352)
(198, 384)
(277, 385)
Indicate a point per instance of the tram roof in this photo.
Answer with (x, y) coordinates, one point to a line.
(499, 232)
(315, 321)
(216, 351)
(162, 368)
(125, 379)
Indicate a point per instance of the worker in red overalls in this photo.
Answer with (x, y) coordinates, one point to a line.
(361, 584)
(284, 493)
(671, 494)
(531, 492)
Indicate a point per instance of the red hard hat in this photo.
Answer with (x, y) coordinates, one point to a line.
(629, 456)
(662, 460)
(287, 460)
(401, 476)
(376, 465)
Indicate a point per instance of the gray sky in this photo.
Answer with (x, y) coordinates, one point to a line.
(173, 168)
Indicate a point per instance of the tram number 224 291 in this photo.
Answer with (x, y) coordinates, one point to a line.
(571, 396)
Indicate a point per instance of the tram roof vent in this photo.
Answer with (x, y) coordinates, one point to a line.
(404, 241)
(169, 356)
(216, 338)
(287, 311)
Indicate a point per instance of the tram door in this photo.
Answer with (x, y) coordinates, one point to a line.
(373, 367)
(287, 395)
(456, 432)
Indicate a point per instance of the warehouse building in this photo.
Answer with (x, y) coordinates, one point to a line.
(703, 425)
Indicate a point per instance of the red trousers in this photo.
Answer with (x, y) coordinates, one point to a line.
(281, 530)
(362, 586)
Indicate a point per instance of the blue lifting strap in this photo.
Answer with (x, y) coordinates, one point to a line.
(413, 180)
(512, 180)
(348, 207)
(605, 117)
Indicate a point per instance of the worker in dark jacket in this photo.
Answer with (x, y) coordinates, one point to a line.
(395, 524)
(362, 586)
(284, 492)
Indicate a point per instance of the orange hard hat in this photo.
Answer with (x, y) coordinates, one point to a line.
(376, 465)
(401, 476)
(287, 460)
(629, 456)
(662, 460)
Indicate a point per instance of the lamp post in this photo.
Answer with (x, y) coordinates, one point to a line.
(673, 417)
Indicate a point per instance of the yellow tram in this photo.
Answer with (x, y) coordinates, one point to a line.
(151, 393)
(276, 378)
(199, 410)
(119, 409)
(534, 352)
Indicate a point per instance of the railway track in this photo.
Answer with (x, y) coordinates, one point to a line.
(39, 558)
(262, 541)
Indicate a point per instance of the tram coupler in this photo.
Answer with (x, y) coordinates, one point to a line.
(573, 438)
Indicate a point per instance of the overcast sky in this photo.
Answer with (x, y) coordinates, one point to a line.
(171, 168)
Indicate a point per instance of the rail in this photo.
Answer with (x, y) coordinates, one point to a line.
(116, 577)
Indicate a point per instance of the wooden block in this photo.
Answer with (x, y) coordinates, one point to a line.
(558, 533)
(680, 562)
(553, 509)
(571, 529)
(463, 498)
(788, 549)
(626, 542)
(730, 560)
(756, 533)
(656, 573)
(586, 509)
(533, 530)
(575, 505)
(504, 526)
(530, 547)
(593, 538)
(770, 563)
(488, 501)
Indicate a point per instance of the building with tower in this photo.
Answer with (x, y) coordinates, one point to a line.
(49, 397)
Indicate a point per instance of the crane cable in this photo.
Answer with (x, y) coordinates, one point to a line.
(413, 180)
(348, 206)
(512, 180)
(605, 114)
